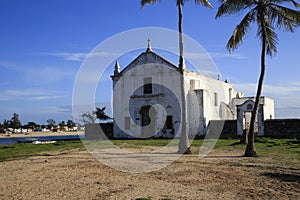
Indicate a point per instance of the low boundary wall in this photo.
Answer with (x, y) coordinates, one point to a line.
(282, 128)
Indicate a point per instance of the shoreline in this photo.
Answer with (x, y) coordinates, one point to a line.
(39, 134)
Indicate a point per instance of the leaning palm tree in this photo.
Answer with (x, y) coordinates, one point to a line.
(184, 144)
(267, 14)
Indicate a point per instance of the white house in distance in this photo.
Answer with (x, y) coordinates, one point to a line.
(147, 100)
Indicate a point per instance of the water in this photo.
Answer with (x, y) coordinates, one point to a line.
(12, 140)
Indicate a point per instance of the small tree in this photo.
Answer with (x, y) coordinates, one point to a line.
(6, 124)
(62, 124)
(15, 122)
(100, 113)
(51, 123)
(71, 124)
(87, 118)
(1, 128)
(32, 125)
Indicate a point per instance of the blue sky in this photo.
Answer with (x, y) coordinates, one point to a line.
(43, 43)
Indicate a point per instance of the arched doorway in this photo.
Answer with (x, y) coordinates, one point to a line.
(148, 123)
(244, 115)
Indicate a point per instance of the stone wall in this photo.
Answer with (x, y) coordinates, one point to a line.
(99, 131)
(276, 128)
(282, 128)
(228, 128)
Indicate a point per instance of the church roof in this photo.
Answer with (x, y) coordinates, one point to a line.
(148, 57)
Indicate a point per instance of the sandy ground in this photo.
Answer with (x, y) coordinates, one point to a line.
(14, 135)
(76, 174)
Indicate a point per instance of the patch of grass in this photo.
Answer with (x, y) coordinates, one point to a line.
(149, 142)
(281, 151)
(24, 150)
(129, 143)
(278, 151)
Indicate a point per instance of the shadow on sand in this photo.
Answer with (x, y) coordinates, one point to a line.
(292, 177)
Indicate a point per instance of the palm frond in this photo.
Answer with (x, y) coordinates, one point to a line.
(297, 5)
(204, 3)
(144, 2)
(267, 30)
(284, 18)
(240, 31)
(233, 6)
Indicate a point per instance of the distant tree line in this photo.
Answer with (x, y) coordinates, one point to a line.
(15, 123)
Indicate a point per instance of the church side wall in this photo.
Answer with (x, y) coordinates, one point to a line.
(216, 97)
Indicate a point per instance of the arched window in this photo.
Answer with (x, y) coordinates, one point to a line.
(249, 107)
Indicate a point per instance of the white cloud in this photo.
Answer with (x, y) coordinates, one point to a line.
(78, 56)
(45, 97)
(47, 74)
(227, 55)
(286, 97)
(209, 55)
(29, 94)
(9, 66)
(39, 74)
(69, 56)
(250, 88)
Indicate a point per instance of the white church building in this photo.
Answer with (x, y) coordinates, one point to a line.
(147, 100)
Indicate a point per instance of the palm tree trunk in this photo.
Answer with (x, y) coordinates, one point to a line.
(181, 59)
(250, 150)
(183, 146)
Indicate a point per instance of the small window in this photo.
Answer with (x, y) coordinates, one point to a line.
(271, 116)
(127, 123)
(249, 107)
(216, 99)
(192, 84)
(148, 85)
(169, 122)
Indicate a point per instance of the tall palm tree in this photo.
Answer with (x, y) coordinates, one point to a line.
(184, 144)
(267, 14)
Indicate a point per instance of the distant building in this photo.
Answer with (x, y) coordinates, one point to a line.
(147, 99)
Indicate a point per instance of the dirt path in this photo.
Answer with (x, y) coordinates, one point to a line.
(77, 175)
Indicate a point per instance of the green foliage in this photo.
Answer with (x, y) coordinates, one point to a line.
(70, 124)
(277, 151)
(15, 122)
(1, 128)
(6, 124)
(32, 125)
(24, 150)
(62, 124)
(51, 123)
(267, 14)
(140, 143)
(100, 113)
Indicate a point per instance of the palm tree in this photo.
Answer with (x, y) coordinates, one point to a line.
(184, 144)
(267, 14)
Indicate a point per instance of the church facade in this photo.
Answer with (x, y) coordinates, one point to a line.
(147, 100)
